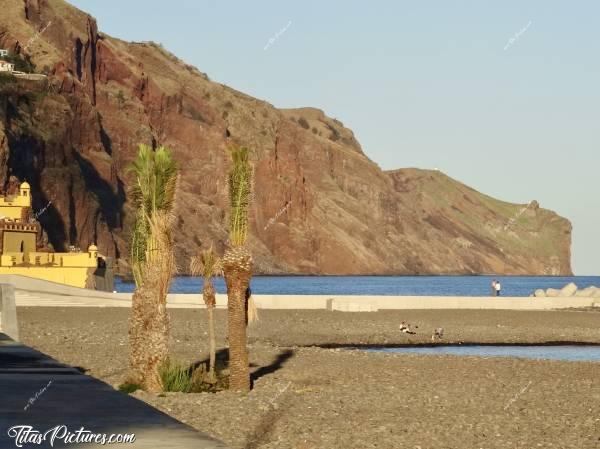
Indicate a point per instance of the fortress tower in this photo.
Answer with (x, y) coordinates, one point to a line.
(19, 254)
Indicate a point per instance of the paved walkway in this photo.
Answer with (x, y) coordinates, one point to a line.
(38, 391)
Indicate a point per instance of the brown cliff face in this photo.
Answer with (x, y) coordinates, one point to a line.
(321, 206)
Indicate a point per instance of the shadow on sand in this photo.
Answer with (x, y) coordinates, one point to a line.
(222, 361)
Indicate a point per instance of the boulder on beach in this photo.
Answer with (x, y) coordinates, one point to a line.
(586, 292)
(568, 290)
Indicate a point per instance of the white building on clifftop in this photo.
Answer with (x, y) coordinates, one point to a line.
(6, 67)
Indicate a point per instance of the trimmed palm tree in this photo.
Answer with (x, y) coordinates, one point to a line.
(237, 268)
(152, 262)
(208, 265)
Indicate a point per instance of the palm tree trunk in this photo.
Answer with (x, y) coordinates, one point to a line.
(210, 301)
(237, 268)
(239, 374)
(149, 332)
(212, 343)
(136, 339)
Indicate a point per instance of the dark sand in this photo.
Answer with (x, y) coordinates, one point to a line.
(312, 397)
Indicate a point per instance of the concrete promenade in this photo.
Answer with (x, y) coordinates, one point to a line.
(38, 391)
(34, 292)
(340, 303)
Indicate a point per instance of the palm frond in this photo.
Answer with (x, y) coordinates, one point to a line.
(160, 251)
(165, 178)
(240, 192)
(154, 190)
(139, 241)
(207, 264)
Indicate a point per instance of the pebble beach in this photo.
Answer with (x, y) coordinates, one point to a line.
(312, 391)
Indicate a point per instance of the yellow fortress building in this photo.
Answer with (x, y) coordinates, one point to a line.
(20, 255)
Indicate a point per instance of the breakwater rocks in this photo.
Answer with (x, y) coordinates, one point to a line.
(567, 291)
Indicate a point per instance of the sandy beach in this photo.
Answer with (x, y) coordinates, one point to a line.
(312, 392)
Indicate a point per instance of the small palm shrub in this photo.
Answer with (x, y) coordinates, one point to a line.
(176, 377)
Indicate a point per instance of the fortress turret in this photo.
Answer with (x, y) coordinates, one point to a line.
(25, 194)
(93, 251)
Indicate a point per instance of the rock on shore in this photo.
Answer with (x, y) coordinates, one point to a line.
(568, 291)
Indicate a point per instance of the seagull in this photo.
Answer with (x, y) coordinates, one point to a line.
(438, 333)
(405, 328)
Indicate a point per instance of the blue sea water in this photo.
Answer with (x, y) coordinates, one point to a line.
(384, 285)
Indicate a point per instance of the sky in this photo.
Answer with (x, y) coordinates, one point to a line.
(503, 96)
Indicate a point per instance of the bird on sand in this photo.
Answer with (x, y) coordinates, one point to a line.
(404, 327)
(438, 333)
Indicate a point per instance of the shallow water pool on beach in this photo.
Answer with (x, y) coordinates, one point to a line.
(571, 353)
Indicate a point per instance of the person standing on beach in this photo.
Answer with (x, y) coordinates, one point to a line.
(498, 288)
(493, 287)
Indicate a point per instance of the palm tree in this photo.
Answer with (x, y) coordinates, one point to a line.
(207, 264)
(153, 263)
(237, 268)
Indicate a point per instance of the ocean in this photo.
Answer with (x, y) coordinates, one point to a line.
(383, 285)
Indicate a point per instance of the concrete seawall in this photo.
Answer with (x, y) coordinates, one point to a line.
(42, 286)
(352, 303)
(8, 312)
(373, 303)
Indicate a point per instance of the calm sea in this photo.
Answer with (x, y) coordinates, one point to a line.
(384, 285)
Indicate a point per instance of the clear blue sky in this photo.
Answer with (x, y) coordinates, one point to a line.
(422, 83)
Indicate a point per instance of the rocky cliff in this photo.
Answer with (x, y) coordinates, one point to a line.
(321, 205)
